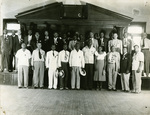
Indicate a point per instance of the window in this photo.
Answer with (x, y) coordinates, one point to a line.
(11, 24)
(136, 29)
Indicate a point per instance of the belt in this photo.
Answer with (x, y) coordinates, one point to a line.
(145, 49)
(110, 63)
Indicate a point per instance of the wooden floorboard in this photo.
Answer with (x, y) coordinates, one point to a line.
(14, 101)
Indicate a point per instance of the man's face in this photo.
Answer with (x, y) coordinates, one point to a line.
(65, 47)
(136, 48)
(55, 34)
(46, 33)
(30, 32)
(23, 46)
(91, 35)
(125, 35)
(77, 46)
(37, 35)
(89, 43)
(124, 50)
(13, 32)
(5, 31)
(39, 45)
(102, 35)
(53, 47)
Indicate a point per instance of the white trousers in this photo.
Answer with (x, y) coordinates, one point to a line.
(136, 80)
(125, 81)
(23, 76)
(53, 80)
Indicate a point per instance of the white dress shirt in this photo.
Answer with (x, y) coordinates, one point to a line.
(29, 40)
(23, 57)
(89, 54)
(52, 60)
(35, 55)
(146, 43)
(76, 59)
(63, 57)
(136, 60)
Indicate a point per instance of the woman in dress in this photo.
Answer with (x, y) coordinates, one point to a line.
(100, 65)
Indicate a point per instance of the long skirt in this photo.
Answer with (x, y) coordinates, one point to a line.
(98, 74)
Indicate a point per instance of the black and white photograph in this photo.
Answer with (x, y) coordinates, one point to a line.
(74, 57)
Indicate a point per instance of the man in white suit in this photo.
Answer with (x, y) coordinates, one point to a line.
(52, 65)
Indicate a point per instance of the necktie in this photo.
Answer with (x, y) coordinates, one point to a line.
(40, 55)
(53, 53)
(102, 43)
(143, 43)
(65, 55)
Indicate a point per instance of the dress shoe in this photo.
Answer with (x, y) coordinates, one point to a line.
(61, 88)
(35, 87)
(114, 89)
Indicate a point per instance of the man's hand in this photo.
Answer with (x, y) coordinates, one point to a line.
(138, 70)
(32, 67)
(70, 68)
(127, 71)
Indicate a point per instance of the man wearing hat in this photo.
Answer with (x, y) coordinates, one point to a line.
(63, 63)
(38, 59)
(23, 58)
(137, 67)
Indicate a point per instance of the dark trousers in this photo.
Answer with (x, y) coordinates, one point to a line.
(5, 60)
(146, 61)
(88, 79)
(11, 62)
(64, 81)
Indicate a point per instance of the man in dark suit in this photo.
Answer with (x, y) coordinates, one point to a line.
(17, 41)
(28, 39)
(46, 41)
(6, 49)
(103, 41)
(125, 69)
(57, 41)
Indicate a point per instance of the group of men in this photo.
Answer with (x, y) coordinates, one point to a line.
(58, 54)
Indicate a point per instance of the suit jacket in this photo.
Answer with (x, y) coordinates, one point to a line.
(59, 44)
(16, 43)
(33, 43)
(125, 63)
(46, 46)
(95, 43)
(6, 44)
(105, 46)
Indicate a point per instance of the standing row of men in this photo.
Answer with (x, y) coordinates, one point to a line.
(115, 47)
